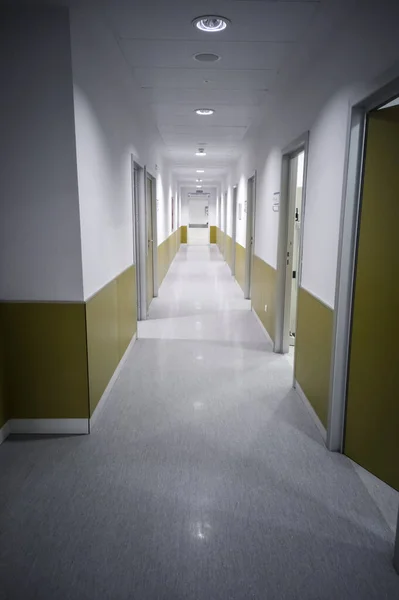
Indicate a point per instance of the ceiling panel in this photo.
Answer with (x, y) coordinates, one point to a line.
(255, 21)
(206, 95)
(185, 116)
(194, 78)
(158, 42)
(233, 55)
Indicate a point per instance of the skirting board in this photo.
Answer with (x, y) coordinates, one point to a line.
(111, 382)
(311, 410)
(4, 432)
(49, 426)
(262, 326)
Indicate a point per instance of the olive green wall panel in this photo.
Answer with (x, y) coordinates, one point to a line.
(111, 324)
(228, 246)
(212, 237)
(183, 234)
(45, 360)
(3, 404)
(219, 235)
(166, 253)
(263, 291)
(240, 265)
(313, 347)
(372, 418)
(127, 308)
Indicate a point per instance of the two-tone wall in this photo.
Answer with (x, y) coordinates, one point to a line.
(67, 284)
(319, 104)
(167, 251)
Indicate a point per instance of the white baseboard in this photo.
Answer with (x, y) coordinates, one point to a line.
(262, 326)
(49, 426)
(4, 432)
(311, 410)
(111, 382)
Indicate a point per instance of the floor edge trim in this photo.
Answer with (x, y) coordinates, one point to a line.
(107, 391)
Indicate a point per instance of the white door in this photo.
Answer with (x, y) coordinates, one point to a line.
(198, 228)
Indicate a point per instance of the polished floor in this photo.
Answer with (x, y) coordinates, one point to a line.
(204, 479)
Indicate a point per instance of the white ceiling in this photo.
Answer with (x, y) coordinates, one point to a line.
(159, 42)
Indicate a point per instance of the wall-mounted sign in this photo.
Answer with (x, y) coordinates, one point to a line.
(239, 208)
(245, 206)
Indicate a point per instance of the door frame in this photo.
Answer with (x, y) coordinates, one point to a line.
(283, 294)
(139, 235)
(154, 232)
(234, 229)
(346, 267)
(250, 236)
(224, 222)
(346, 263)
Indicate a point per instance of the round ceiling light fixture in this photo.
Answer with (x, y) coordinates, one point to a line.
(211, 23)
(200, 171)
(204, 112)
(198, 180)
(206, 57)
(200, 152)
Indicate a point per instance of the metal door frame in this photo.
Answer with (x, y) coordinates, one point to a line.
(250, 235)
(224, 222)
(301, 144)
(154, 231)
(346, 267)
(346, 263)
(234, 229)
(139, 235)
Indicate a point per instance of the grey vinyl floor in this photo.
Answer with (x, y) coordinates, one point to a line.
(205, 476)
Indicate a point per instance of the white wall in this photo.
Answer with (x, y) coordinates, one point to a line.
(167, 188)
(40, 252)
(362, 57)
(110, 128)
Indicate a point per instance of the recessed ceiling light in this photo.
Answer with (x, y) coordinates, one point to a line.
(200, 171)
(204, 112)
(206, 57)
(211, 23)
(198, 180)
(199, 186)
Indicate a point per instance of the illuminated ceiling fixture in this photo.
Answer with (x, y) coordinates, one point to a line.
(200, 152)
(211, 23)
(199, 186)
(200, 171)
(205, 112)
(198, 180)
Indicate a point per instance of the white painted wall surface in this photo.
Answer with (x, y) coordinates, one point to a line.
(40, 252)
(360, 60)
(110, 128)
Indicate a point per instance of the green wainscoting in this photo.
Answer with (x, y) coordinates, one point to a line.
(183, 234)
(219, 237)
(313, 349)
(45, 360)
(263, 292)
(111, 321)
(58, 358)
(372, 417)
(228, 249)
(240, 265)
(166, 253)
(3, 404)
(213, 234)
